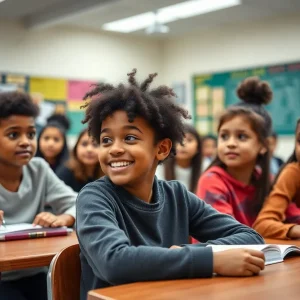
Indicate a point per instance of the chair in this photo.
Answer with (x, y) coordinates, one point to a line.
(63, 279)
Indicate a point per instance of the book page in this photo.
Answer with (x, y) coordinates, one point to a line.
(217, 248)
(17, 227)
(286, 249)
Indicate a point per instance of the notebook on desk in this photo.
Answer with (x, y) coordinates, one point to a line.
(273, 253)
(29, 231)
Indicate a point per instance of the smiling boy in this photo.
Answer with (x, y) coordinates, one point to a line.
(128, 221)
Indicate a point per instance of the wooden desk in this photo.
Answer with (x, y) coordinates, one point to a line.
(22, 254)
(278, 281)
(283, 242)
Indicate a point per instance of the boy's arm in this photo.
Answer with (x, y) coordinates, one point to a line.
(58, 195)
(210, 226)
(115, 260)
(213, 191)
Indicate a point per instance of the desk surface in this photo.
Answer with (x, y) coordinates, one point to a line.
(278, 281)
(15, 255)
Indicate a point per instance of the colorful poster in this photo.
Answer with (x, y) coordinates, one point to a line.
(20, 81)
(202, 110)
(75, 118)
(51, 89)
(53, 95)
(77, 89)
(203, 126)
(75, 105)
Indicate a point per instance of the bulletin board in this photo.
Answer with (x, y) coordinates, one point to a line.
(214, 92)
(62, 94)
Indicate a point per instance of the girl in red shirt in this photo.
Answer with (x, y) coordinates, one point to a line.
(237, 181)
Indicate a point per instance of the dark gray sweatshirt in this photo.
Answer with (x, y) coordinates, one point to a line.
(124, 239)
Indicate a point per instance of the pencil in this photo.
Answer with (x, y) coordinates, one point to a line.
(3, 223)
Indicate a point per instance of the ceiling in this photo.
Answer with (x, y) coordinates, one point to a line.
(92, 14)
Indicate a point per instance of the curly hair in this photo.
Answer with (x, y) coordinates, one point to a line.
(156, 106)
(17, 103)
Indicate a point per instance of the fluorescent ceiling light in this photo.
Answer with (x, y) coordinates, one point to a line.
(132, 23)
(2, 1)
(168, 14)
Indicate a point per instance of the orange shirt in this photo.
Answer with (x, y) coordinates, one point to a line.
(280, 212)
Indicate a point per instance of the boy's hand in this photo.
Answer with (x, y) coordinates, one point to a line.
(238, 262)
(175, 247)
(47, 219)
(1, 216)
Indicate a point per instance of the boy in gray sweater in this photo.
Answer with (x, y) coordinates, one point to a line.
(132, 226)
(27, 184)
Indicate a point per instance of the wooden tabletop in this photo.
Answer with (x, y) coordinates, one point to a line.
(283, 242)
(277, 281)
(15, 255)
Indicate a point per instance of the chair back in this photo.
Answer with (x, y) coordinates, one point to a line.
(63, 279)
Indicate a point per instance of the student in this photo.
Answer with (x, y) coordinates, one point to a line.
(128, 220)
(186, 165)
(209, 150)
(27, 184)
(237, 181)
(280, 218)
(52, 141)
(83, 166)
(275, 161)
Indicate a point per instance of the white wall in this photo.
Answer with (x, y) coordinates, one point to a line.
(234, 47)
(76, 53)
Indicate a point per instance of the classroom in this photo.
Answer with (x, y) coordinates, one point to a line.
(149, 149)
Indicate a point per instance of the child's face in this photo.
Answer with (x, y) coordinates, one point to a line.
(238, 144)
(189, 148)
(209, 148)
(297, 148)
(17, 140)
(51, 142)
(127, 153)
(87, 151)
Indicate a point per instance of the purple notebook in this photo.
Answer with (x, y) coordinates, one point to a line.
(27, 231)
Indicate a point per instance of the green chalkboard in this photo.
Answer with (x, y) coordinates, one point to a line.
(214, 92)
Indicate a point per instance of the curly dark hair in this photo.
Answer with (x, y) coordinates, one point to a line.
(17, 103)
(157, 106)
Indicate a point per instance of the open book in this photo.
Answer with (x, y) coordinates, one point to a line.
(273, 253)
(29, 231)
